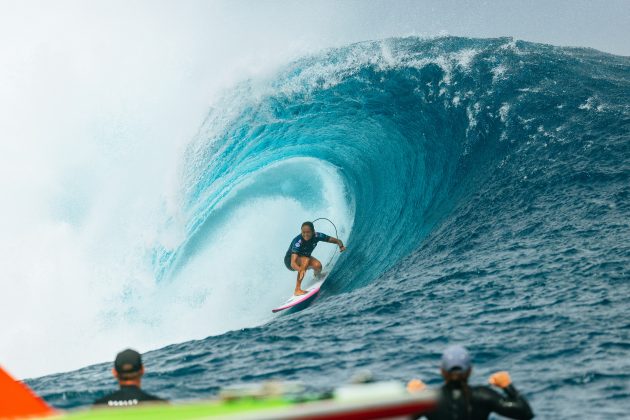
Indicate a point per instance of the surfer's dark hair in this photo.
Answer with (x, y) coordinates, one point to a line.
(309, 224)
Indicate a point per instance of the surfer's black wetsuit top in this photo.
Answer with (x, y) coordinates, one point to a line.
(127, 395)
(305, 248)
(452, 403)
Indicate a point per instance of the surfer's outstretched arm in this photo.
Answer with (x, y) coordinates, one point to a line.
(338, 242)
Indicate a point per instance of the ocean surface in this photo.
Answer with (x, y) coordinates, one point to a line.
(482, 187)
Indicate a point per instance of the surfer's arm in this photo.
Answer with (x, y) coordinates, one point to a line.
(338, 242)
(512, 404)
(295, 265)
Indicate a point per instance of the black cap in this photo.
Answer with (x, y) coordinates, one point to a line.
(128, 361)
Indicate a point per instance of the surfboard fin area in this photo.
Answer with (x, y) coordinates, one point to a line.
(18, 401)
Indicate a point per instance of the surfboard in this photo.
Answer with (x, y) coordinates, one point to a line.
(378, 400)
(296, 300)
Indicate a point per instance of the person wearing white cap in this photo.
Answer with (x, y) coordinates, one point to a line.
(458, 400)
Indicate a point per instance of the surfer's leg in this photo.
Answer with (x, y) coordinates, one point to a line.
(303, 263)
(316, 266)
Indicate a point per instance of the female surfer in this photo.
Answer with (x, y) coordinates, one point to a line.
(298, 257)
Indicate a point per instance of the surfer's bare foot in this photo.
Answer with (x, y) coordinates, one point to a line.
(299, 292)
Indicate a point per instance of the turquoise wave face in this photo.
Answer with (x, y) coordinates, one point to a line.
(392, 118)
(410, 126)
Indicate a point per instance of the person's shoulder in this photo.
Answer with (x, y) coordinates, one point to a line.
(484, 392)
(142, 395)
(100, 401)
(127, 396)
(150, 397)
(107, 398)
(482, 388)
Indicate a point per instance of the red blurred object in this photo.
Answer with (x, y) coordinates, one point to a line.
(18, 401)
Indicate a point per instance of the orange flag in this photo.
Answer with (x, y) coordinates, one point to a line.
(18, 401)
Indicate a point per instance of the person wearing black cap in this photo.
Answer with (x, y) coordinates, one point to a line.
(128, 369)
(458, 400)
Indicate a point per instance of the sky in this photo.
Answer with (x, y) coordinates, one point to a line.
(99, 98)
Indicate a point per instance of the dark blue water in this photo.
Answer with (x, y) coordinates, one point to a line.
(490, 187)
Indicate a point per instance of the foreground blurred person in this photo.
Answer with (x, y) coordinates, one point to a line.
(458, 400)
(128, 369)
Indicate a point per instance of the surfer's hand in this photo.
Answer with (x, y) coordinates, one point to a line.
(500, 379)
(342, 248)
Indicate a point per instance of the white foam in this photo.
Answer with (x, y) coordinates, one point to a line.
(498, 73)
(96, 106)
(504, 111)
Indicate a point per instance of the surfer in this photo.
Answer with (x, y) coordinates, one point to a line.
(298, 257)
(458, 400)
